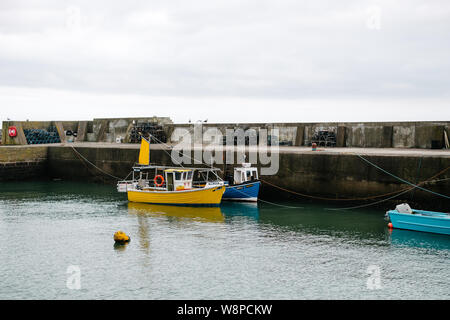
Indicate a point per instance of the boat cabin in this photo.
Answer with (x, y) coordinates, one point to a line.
(208, 177)
(178, 179)
(245, 173)
(162, 178)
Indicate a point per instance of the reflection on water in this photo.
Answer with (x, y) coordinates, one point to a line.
(235, 251)
(120, 246)
(220, 214)
(202, 214)
(364, 225)
(418, 239)
(249, 210)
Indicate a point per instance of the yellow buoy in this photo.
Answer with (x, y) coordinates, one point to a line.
(121, 237)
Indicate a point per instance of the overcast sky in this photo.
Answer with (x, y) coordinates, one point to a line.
(225, 60)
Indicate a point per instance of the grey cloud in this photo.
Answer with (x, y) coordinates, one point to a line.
(264, 49)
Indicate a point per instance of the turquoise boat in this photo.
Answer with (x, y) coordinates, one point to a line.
(403, 217)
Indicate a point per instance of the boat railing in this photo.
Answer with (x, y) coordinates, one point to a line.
(422, 213)
(203, 183)
(125, 185)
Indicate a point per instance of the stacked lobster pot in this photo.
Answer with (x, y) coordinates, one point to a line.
(150, 131)
(324, 139)
(42, 136)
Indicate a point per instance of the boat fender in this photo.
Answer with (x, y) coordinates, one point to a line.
(155, 180)
(121, 237)
(403, 208)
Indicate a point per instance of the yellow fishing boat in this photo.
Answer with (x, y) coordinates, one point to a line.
(171, 186)
(196, 196)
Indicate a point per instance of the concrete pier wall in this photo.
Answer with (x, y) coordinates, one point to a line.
(22, 162)
(322, 174)
(331, 173)
(97, 130)
(352, 134)
(423, 135)
(348, 176)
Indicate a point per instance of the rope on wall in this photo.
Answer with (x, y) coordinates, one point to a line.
(96, 167)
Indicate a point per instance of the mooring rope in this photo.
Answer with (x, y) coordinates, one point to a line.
(265, 201)
(330, 199)
(99, 169)
(272, 203)
(370, 204)
(403, 180)
(397, 192)
(430, 180)
(279, 205)
(417, 176)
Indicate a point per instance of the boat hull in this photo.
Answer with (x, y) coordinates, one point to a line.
(242, 192)
(192, 197)
(425, 221)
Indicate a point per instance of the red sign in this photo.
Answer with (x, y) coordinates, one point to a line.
(12, 131)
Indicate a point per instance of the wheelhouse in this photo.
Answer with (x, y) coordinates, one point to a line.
(161, 178)
(245, 174)
(178, 179)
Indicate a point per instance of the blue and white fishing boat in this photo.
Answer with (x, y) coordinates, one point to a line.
(245, 185)
(403, 217)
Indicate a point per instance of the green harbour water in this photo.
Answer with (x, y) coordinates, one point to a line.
(236, 251)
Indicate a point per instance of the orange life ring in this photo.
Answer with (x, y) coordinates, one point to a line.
(155, 180)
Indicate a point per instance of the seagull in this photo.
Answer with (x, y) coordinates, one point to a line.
(189, 120)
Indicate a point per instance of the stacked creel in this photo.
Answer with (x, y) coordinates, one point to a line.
(324, 138)
(42, 136)
(151, 131)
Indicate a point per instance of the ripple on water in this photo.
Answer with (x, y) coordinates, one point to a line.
(235, 252)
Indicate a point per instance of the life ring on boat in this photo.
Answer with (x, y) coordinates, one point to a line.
(155, 180)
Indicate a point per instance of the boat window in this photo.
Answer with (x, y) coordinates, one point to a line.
(177, 175)
(189, 175)
(249, 173)
(204, 176)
